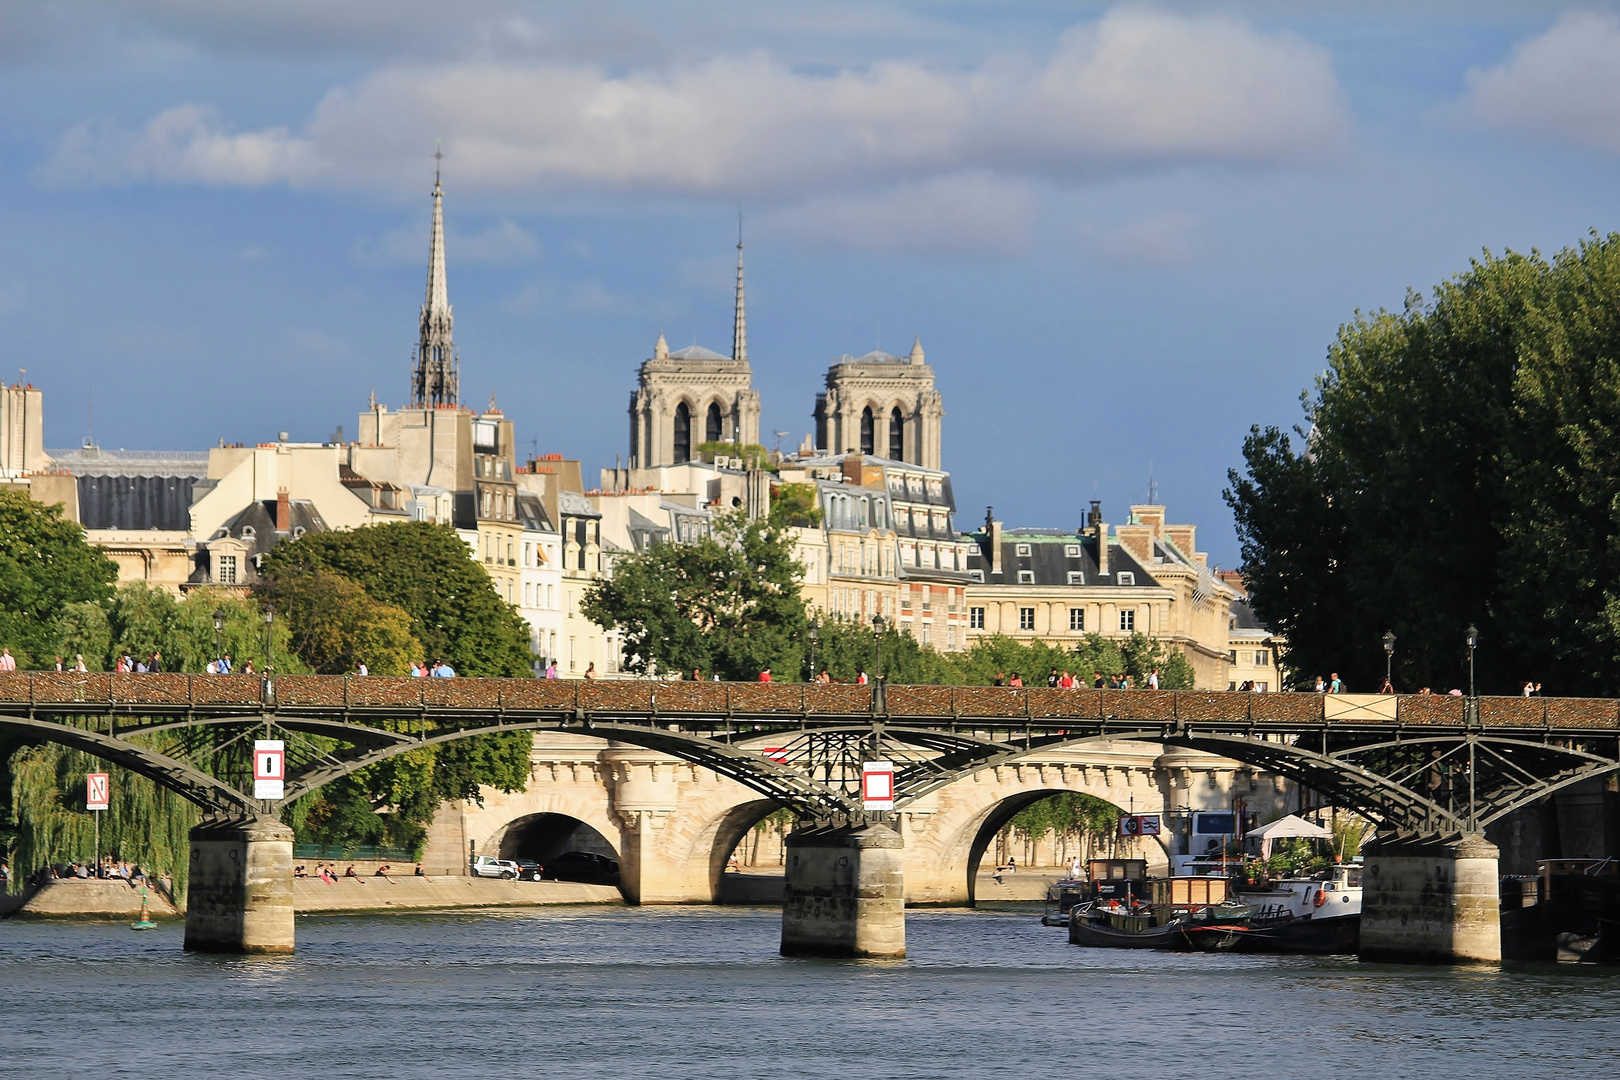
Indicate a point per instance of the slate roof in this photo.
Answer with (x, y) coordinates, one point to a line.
(696, 352)
(1049, 559)
(531, 512)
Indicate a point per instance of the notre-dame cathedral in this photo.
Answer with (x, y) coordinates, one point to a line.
(877, 404)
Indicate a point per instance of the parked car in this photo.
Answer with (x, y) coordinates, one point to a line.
(584, 866)
(529, 870)
(489, 866)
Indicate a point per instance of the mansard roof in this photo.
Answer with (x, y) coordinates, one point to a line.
(1053, 555)
(531, 511)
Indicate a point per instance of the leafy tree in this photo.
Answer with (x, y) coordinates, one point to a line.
(335, 625)
(846, 648)
(143, 619)
(794, 505)
(45, 565)
(1071, 815)
(427, 571)
(1460, 464)
(729, 603)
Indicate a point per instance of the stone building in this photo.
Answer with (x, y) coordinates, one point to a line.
(694, 395)
(882, 405)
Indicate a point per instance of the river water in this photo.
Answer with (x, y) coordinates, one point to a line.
(700, 992)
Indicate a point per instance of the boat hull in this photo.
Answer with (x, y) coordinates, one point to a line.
(1087, 933)
(1340, 934)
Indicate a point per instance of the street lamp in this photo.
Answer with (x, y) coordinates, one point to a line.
(1389, 656)
(219, 628)
(1473, 640)
(269, 618)
(877, 636)
(815, 629)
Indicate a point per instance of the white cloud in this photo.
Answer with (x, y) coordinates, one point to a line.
(548, 296)
(967, 214)
(503, 243)
(1136, 88)
(1564, 83)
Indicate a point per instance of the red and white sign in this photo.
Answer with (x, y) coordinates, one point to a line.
(269, 769)
(97, 791)
(776, 754)
(1139, 825)
(877, 785)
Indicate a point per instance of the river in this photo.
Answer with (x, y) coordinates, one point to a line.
(700, 992)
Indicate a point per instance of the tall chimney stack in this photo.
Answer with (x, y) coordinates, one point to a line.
(283, 512)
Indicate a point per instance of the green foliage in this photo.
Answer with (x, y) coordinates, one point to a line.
(754, 455)
(1463, 466)
(455, 612)
(795, 505)
(334, 624)
(145, 823)
(143, 619)
(729, 603)
(45, 566)
(1069, 814)
(846, 648)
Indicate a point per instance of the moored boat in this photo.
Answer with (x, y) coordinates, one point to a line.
(1302, 915)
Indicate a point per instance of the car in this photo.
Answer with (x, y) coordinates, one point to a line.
(490, 866)
(529, 870)
(584, 866)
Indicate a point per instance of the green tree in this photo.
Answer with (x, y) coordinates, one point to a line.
(794, 505)
(1459, 465)
(425, 570)
(45, 565)
(728, 604)
(846, 648)
(334, 625)
(1074, 817)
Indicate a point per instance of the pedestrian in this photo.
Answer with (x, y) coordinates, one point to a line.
(697, 674)
(7, 661)
(1153, 679)
(1097, 680)
(212, 668)
(226, 665)
(1388, 687)
(860, 680)
(1052, 678)
(1016, 680)
(1321, 687)
(59, 668)
(551, 670)
(1001, 679)
(155, 665)
(590, 671)
(361, 669)
(1335, 686)
(442, 670)
(765, 676)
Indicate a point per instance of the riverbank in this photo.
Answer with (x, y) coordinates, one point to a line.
(84, 898)
(312, 895)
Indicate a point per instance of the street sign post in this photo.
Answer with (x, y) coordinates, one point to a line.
(1139, 825)
(877, 785)
(97, 797)
(269, 769)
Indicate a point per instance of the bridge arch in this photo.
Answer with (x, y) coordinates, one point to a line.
(542, 837)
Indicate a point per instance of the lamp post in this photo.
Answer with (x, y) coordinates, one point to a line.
(877, 637)
(1389, 657)
(1473, 640)
(815, 632)
(219, 628)
(269, 618)
(880, 692)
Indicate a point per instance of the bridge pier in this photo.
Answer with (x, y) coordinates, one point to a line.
(240, 896)
(845, 892)
(1431, 897)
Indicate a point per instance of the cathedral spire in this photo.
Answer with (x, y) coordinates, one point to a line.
(739, 331)
(434, 374)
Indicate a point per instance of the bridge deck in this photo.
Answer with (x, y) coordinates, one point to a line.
(337, 697)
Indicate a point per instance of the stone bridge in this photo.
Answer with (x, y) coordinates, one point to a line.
(672, 824)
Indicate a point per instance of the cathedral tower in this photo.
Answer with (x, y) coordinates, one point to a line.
(883, 405)
(691, 396)
(434, 365)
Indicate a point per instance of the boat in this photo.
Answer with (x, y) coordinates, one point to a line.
(1105, 880)
(1295, 915)
(1156, 921)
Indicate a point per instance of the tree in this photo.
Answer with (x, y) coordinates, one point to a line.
(427, 571)
(728, 604)
(1459, 465)
(45, 566)
(334, 625)
(794, 506)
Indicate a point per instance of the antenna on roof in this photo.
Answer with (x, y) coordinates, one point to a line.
(1153, 487)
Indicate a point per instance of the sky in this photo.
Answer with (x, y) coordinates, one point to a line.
(1124, 233)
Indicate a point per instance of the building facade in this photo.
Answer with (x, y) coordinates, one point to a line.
(882, 405)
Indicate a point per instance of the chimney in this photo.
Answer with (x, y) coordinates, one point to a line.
(283, 512)
(1100, 530)
(852, 468)
(992, 532)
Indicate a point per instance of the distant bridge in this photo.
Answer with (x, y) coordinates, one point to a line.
(1420, 762)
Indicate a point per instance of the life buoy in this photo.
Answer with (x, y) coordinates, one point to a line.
(1321, 898)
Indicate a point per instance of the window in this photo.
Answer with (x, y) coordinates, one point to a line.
(1026, 577)
(1262, 658)
(868, 436)
(1076, 577)
(227, 570)
(950, 637)
(683, 453)
(925, 634)
(1125, 577)
(1071, 551)
(712, 428)
(247, 532)
(897, 437)
(1026, 618)
(976, 618)
(1231, 656)
(1127, 620)
(976, 575)
(1077, 618)
(1022, 550)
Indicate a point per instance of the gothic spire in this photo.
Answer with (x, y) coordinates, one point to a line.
(434, 374)
(739, 331)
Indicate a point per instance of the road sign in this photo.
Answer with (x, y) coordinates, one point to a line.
(269, 769)
(1139, 825)
(97, 791)
(877, 785)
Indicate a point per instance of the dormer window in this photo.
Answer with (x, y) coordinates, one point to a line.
(1076, 577)
(1026, 577)
(1023, 551)
(1126, 577)
(1071, 551)
(976, 575)
(247, 532)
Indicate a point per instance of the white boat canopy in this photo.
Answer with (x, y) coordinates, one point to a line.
(1286, 828)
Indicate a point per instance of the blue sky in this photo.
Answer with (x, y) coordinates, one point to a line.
(1123, 232)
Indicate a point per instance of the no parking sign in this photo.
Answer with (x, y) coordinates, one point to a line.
(269, 769)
